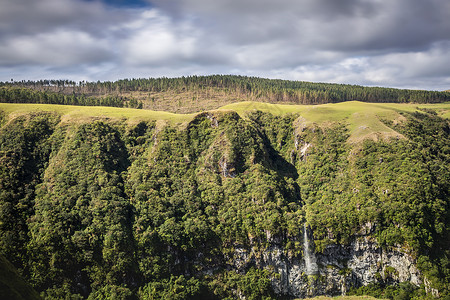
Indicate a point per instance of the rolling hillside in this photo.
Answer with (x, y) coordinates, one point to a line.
(196, 93)
(364, 120)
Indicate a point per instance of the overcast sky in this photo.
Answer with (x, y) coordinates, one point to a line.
(396, 43)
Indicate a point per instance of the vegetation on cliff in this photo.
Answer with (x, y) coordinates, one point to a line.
(143, 209)
(12, 285)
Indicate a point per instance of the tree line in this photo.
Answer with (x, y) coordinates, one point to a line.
(272, 90)
(16, 94)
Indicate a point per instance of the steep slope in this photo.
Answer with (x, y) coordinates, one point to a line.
(12, 285)
(226, 204)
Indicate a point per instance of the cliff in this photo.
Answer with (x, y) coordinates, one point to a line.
(224, 206)
(338, 269)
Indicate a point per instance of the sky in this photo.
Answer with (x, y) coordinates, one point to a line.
(393, 43)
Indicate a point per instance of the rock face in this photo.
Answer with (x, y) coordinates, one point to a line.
(339, 268)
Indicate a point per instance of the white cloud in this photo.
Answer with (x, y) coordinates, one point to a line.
(153, 40)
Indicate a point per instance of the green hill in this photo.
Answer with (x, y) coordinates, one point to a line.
(364, 120)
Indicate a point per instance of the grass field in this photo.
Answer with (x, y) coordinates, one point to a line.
(80, 113)
(363, 119)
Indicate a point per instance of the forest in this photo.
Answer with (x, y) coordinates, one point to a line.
(200, 91)
(16, 94)
(111, 209)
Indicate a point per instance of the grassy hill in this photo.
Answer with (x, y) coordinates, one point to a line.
(86, 113)
(364, 120)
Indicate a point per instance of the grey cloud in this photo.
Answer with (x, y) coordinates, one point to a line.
(56, 33)
(403, 26)
(339, 25)
(57, 48)
(257, 21)
(303, 8)
(26, 17)
(404, 70)
(430, 64)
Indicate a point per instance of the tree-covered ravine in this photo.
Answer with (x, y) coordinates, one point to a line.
(222, 207)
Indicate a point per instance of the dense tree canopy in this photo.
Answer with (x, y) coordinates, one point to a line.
(119, 209)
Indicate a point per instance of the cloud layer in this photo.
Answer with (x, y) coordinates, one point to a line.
(399, 43)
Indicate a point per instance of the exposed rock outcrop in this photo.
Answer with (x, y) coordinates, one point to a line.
(339, 268)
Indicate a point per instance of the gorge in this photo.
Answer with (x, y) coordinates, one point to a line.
(225, 205)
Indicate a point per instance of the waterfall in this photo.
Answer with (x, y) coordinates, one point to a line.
(310, 258)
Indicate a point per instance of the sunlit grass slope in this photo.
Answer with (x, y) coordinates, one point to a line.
(80, 113)
(364, 120)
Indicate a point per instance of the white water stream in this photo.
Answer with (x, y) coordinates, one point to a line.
(310, 258)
